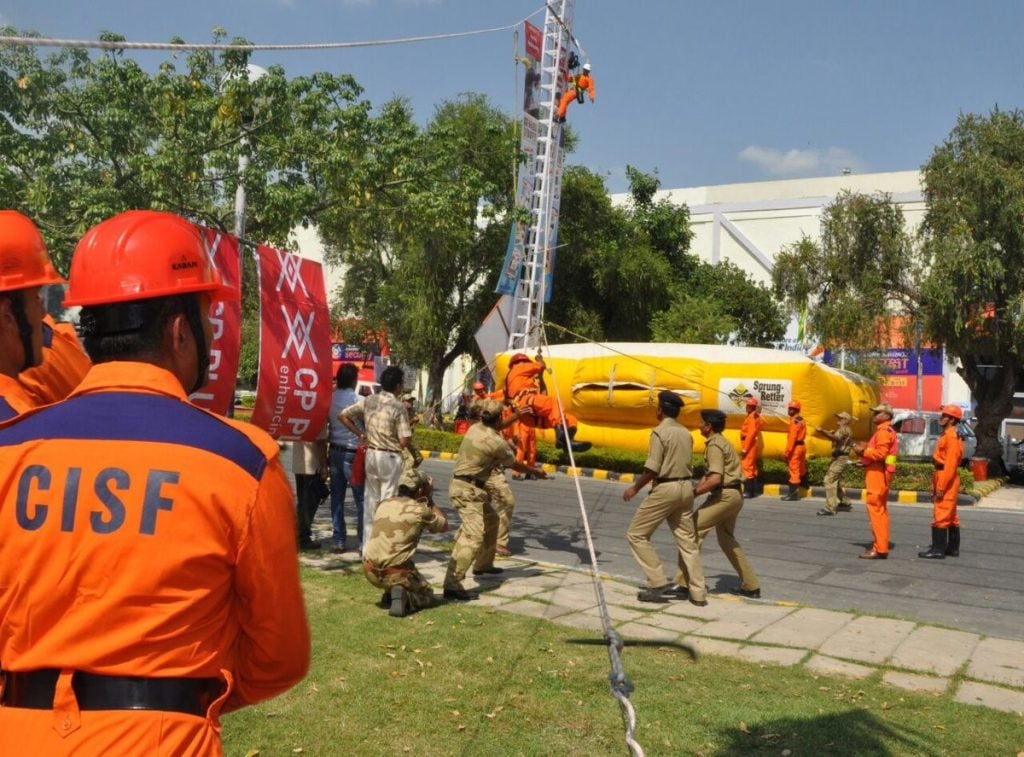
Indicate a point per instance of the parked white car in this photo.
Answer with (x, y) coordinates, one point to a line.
(918, 434)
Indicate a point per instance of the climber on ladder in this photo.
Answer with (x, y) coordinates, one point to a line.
(578, 84)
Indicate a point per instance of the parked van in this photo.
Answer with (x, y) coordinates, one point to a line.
(918, 434)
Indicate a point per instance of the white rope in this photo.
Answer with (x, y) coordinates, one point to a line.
(619, 682)
(96, 44)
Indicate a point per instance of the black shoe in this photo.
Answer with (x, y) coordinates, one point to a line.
(309, 545)
(748, 593)
(953, 544)
(530, 477)
(460, 595)
(399, 602)
(825, 511)
(677, 592)
(937, 551)
(698, 602)
(844, 508)
(384, 602)
(793, 494)
(656, 594)
(491, 571)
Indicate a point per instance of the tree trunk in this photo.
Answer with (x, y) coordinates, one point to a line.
(993, 391)
(435, 383)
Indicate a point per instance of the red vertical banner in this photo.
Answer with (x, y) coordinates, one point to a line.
(218, 394)
(293, 392)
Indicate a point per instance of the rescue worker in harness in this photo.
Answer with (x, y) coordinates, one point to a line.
(578, 84)
(523, 389)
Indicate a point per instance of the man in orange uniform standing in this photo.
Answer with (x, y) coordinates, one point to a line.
(878, 456)
(522, 389)
(578, 84)
(750, 443)
(25, 268)
(148, 574)
(796, 451)
(949, 452)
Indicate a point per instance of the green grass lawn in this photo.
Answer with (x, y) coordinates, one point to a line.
(468, 680)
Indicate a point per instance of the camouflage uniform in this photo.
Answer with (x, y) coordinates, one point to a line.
(720, 511)
(502, 499)
(842, 444)
(397, 525)
(482, 451)
(411, 455)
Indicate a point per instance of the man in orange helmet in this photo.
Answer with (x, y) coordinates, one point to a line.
(578, 84)
(148, 573)
(878, 456)
(750, 443)
(25, 268)
(796, 451)
(949, 452)
(522, 388)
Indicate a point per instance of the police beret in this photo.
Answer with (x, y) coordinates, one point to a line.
(713, 417)
(414, 479)
(491, 408)
(670, 399)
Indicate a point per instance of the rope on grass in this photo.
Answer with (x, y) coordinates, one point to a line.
(619, 684)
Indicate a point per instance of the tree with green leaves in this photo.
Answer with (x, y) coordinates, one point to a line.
(973, 233)
(424, 260)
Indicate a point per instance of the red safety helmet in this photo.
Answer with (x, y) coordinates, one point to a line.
(519, 357)
(953, 411)
(139, 255)
(24, 261)
(752, 402)
(794, 405)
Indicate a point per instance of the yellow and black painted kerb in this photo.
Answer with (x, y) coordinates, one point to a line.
(905, 497)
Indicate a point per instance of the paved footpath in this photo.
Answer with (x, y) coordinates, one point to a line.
(807, 617)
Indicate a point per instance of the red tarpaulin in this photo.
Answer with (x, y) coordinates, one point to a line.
(226, 320)
(293, 392)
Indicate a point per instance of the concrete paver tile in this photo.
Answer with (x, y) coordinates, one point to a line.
(572, 597)
(772, 655)
(535, 609)
(998, 661)
(490, 599)
(807, 627)
(913, 682)
(830, 666)
(516, 589)
(718, 647)
(1006, 700)
(744, 621)
(675, 623)
(867, 639)
(615, 612)
(582, 621)
(934, 650)
(648, 633)
(715, 609)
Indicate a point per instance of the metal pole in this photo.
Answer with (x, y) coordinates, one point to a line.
(243, 164)
(920, 368)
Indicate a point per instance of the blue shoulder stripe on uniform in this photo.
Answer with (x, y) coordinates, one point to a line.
(6, 411)
(131, 417)
(47, 335)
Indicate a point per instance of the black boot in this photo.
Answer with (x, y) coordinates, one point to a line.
(953, 544)
(748, 489)
(793, 495)
(560, 442)
(937, 551)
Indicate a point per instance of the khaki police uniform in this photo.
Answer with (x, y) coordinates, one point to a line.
(671, 499)
(842, 443)
(721, 509)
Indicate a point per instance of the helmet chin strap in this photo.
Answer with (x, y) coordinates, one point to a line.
(202, 348)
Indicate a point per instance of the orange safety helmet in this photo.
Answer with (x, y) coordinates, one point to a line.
(24, 261)
(752, 402)
(139, 255)
(794, 405)
(953, 411)
(519, 357)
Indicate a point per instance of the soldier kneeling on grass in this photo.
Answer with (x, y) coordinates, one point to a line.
(397, 525)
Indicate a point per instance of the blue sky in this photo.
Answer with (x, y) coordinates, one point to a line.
(703, 92)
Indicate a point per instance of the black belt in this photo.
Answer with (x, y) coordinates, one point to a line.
(470, 480)
(344, 449)
(737, 487)
(667, 480)
(34, 690)
(381, 449)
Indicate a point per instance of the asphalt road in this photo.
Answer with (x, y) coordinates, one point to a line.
(798, 556)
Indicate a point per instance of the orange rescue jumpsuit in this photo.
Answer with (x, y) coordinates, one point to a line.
(523, 389)
(879, 461)
(141, 536)
(64, 364)
(750, 439)
(14, 400)
(796, 450)
(949, 452)
(578, 84)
